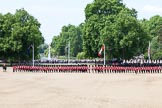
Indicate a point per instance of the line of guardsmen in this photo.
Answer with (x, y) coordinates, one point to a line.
(89, 69)
(126, 69)
(52, 68)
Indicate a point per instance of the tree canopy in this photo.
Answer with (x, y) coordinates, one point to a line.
(153, 26)
(111, 23)
(68, 34)
(17, 33)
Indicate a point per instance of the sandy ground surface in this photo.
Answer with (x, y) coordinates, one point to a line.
(76, 90)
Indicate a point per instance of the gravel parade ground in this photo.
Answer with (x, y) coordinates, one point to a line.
(79, 90)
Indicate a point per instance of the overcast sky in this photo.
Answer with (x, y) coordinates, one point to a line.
(53, 14)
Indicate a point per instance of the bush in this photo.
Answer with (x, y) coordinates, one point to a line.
(157, 55)
(81, 55)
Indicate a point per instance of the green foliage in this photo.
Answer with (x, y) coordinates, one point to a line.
(17, 32)
(156, 47)
(72, 34)
(157, 55)
(42, 48)
(153, 26)
(109, 22)
(81, 55)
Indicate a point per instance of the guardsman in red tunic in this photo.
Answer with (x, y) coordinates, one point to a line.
(96, 69)
(14, 68)
(93, 68)
(113, 69)
(45, 69)
(81, 68)
(72, 68)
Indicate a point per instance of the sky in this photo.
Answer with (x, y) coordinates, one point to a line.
(54, 14)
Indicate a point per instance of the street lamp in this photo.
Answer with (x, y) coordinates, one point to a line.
(138, 52)
(69, 52)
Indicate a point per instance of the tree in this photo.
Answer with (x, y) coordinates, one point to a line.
(42, 48)
(5, 35)
(18, 33)
(55, 45)
(153, 26)
(68, 34)
(76, 40)
(126, 37)
(111, 23)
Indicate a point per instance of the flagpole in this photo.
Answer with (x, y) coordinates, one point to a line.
(104, 55)
(149, 51)
(69, 52)
(33, 54)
